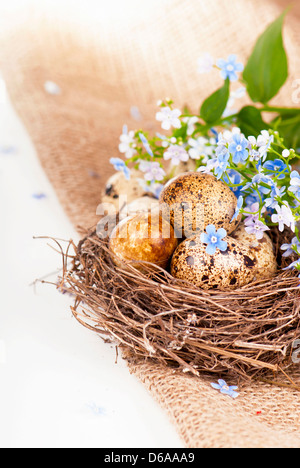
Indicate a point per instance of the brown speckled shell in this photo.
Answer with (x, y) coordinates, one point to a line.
(224, 270)
(203, 199)
(119, 190)
(262, 249)
(143, 237)
(139, 205)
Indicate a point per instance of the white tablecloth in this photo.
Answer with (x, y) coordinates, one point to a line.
(59, 383)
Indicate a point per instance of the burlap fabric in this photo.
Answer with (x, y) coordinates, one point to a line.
(103, 68)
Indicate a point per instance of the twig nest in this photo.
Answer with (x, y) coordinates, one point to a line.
(144, 237)
(228, 269)
(119, 191)
(262, 249)
(244, 333)
(193, 200)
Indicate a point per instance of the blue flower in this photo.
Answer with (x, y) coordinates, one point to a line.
(276, 193)
(252, 198)
(233, 177)
(238, 148)
(239, 206)
(294, 265)
(146, 144)
(291, 248)
(229, 67)
(226, 389)
(120, 165)
(154, 188)
(214, 132)
(213, 239)
(276, 166)
(260, 179)
(295, 184)
(222, 161)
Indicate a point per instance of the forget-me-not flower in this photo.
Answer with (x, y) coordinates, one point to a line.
(176, 154)
(230, 67)
(154, 188)
(254, 154)
(209, 167)
(291, 248)
(200, 146)
(213, 239)
(120, 165)
(226, 389)
(234, 178)
(277, 166)
(272, 200)
(126, 143)
(190, 123)
(146, 144)
(255, 226)
(220, 168)
(238, 148)
(222, 161)
(258, 180)
(295, 184)
(169, 118)
(294, 265)
(154, 172)
(239, 206)
(264, 141)
(283, 217)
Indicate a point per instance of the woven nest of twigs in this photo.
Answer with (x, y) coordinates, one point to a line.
(247, 332)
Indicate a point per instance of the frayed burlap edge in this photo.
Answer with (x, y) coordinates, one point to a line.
(76, 131)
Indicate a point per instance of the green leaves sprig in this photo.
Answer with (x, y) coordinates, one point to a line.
(264, 74)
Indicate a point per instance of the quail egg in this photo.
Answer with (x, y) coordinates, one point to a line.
(119, 191)
(141, 204)
(143, 237)
(262, 249)
(229, 269)
(192, 200)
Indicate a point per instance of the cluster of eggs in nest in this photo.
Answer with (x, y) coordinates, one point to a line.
(167, 232)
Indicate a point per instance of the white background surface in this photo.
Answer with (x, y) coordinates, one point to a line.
(59, 383)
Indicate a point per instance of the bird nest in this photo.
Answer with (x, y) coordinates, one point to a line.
(247, 332)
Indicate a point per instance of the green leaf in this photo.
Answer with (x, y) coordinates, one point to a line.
(181, 132)
(213, 107)
(250, 121)
(289, 129)
(267, 67)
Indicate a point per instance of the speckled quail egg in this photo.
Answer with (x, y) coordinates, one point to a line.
(262, 249)
(193, 200)
(143, 237)
(119, 191)
(141, 204)
(229, 269)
